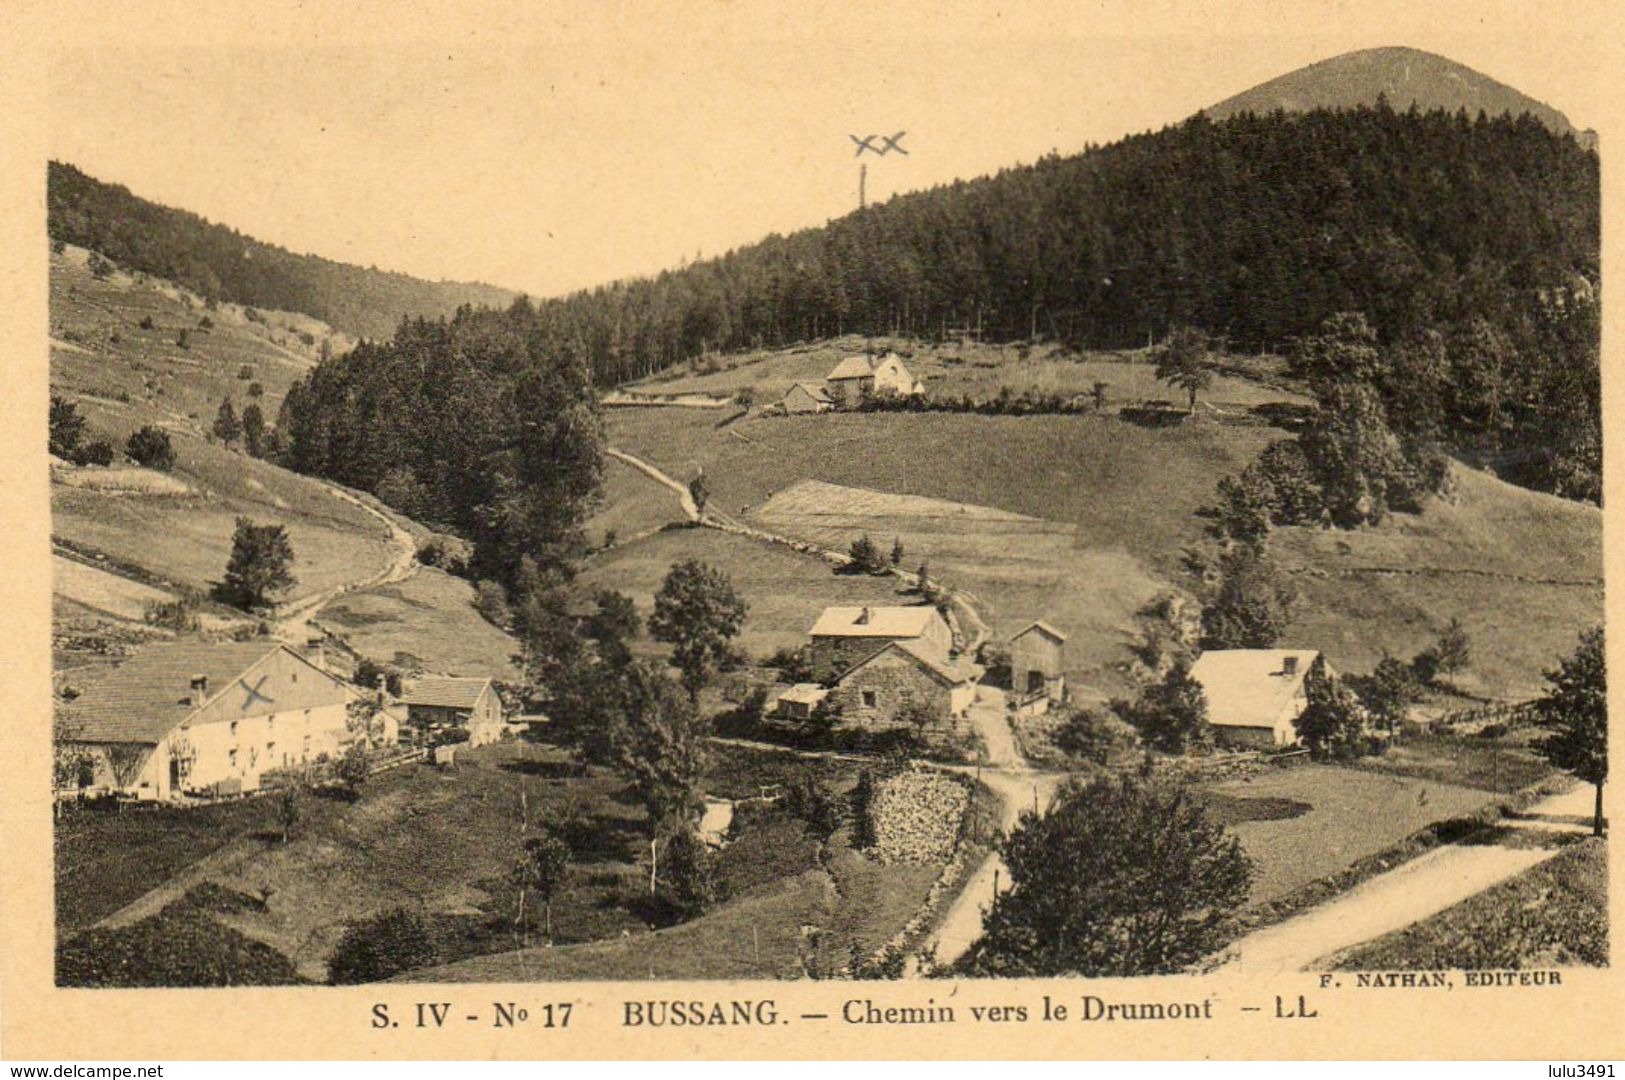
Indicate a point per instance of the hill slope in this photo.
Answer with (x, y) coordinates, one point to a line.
(1405, 76)
(222, 264)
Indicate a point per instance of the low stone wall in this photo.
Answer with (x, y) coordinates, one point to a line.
(916, 816)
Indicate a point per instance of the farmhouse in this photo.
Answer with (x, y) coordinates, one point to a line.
(440, 702)
(859, 377)
(1255, 696)
(880, 690)
(842, 636)
(205, 718)
(805, 397)
(1037, 664)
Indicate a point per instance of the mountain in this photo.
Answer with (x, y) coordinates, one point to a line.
(1404, 76)
(223, 264)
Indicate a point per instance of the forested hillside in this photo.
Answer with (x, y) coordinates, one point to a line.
(222, 264)
(1256, 228)
(476, 423)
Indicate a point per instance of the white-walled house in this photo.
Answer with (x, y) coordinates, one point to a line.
(1255, 696)
(205, 718)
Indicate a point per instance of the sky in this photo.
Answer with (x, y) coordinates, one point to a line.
(547, 147)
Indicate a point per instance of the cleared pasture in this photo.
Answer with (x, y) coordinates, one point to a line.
(1018, 568)
(785, 590)
(1350, 815)
(425, 623)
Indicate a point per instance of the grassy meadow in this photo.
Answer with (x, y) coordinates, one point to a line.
(424, 623)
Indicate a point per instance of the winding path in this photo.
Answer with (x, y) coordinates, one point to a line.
(294, 618)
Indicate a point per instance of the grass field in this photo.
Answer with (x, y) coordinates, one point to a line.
(1123, 487)
(1521, 570)
(107, 860)
(632, 505)
(1503, 765)
(784, 589)
(950, 371)
(103, 593)
(1302, 823)
(1553, 915)
(1018, 568)
(176, 528)
(424, 623)
(427, 839)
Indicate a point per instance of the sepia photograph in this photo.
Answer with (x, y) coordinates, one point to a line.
(872, 507)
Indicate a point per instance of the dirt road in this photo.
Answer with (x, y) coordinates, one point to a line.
(293, 619)
(1407, 894)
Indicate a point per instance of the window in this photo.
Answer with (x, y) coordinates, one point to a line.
(869, 699)
(234, 729)
(270, 750)
(270, 725)
(231, 756)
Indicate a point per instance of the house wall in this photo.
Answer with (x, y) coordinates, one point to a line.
(281, 712)
(1247, 738)
(849, 392)
(894, 680)
(890, 375)
(485, 723)
(799, 401)
(1036, 652)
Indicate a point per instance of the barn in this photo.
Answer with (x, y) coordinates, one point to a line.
(436, 703)
(1038, 664)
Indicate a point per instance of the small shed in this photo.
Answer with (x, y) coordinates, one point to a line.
(804, 397)
(798, 702)
(1038, 663)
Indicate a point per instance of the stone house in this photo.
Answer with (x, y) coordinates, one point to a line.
(1255, 696)
(858, 377)
(205, 719)
(842, 636)
(878, 691)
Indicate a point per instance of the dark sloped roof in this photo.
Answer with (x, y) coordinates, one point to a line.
(444, 691)
(936, 663)
(145, 697)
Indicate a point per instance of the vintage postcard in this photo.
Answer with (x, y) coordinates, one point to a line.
(743, 530)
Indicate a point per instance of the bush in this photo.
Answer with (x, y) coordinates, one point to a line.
(368, 673)
(688, 873)
(377, 948)
(176, 615)
(67, 427)
(205, 323)
(146, 322)
(245, 372)
(867, 558)
(99, 452)
(792, 664)
(812, 801)
(491, 601)
(150, 447)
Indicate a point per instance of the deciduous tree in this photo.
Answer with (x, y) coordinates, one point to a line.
(1574, 711)
(261, 565)
(698, 613)
(1122, 877)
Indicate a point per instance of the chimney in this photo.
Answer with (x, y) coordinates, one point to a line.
(316, 651)
(1289, 666)
(198, 689)
(863, 617)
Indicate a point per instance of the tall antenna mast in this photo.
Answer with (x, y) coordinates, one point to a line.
(867, 142)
